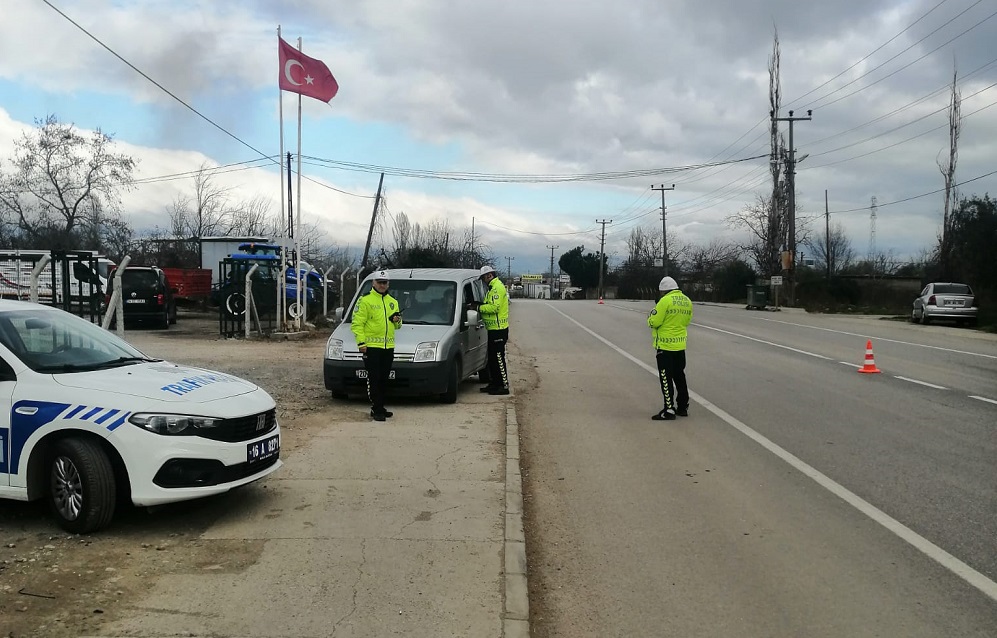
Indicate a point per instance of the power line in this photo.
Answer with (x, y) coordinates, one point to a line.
(909, 64)
(518, 177)
(871, 53)
(160, 86)
(881, 65)
(913, 197)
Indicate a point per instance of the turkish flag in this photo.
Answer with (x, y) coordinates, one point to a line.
(302, 74)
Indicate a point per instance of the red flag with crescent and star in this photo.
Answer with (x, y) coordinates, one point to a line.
(302, 74)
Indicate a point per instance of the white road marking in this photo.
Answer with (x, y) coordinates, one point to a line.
(973, 396)
(926, 547)
(906, 343)
(930, 385)
(768, 343)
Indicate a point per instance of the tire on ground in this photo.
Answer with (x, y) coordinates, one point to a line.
(81, 485)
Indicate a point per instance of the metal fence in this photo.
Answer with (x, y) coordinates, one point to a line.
(69, 280)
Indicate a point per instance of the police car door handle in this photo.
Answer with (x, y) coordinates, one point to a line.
(27, 411)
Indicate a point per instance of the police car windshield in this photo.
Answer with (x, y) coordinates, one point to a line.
(52, 341)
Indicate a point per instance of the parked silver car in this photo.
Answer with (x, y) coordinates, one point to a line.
(945, 300)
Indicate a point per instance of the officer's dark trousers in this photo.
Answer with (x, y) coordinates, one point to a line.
(498, 374)
(377, 362)
(671, 373)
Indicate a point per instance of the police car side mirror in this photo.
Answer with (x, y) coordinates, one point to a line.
(339, 313)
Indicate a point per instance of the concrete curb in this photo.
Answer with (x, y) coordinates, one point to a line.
(516, 612)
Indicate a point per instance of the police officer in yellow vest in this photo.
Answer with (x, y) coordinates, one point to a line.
(495, 315)
(668, 322)
(374, 321)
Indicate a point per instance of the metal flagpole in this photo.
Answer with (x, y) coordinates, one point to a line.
(281, 296)
(297, 225)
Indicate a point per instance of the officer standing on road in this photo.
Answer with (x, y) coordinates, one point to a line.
(668, 322)
(495, 314)
(374, 321)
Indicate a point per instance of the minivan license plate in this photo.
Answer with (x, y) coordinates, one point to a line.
(362, 374)
(262, 450)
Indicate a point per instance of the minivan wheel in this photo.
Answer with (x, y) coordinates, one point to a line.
(453, 382)
(81, 486)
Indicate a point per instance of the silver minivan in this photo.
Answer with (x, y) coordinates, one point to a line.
(441, 342)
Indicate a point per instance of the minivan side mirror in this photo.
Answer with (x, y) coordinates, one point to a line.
(339, 313)
(472, 318)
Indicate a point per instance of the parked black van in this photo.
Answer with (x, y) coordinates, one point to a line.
(146, 294)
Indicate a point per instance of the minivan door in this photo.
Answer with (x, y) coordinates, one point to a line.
(474, 339)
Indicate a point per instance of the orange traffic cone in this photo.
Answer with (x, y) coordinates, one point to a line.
(870, 363)
(600, 299)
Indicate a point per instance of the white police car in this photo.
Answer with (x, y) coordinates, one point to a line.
(86, 419)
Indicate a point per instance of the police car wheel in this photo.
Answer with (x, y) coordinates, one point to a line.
(81, 486)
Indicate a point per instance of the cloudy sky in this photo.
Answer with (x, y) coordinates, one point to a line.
(526, 89)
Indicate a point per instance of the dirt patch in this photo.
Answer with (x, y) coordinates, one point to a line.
(59, 585)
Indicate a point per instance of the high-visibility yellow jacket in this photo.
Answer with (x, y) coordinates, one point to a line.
(669, 319)
(495, 309)
(372, 323)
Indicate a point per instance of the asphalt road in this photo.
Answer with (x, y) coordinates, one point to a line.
(800, 498)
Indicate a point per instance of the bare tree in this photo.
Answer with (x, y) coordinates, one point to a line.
(775, 236)
(643, 248)
(64, 188)
(765, 233)
(948, 172)
(204, 214)
(255, 217)
(832, 252)
(703, 261)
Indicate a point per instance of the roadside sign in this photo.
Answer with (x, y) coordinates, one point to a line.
(777, 280)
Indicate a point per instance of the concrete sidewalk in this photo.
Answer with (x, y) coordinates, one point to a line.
(410, 528)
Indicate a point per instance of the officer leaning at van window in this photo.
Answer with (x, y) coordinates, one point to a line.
(668, 322)
(374, 321)
(495, 314)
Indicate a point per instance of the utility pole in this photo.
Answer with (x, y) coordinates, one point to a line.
(552, 249)
(508, 265)
(602, 246)
(827, 236)
(373, 220)
(664, 232)
(791, 179)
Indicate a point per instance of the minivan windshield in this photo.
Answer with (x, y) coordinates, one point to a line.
(53, 341)
(422, 302)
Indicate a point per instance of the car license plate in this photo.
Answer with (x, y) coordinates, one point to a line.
(134, 300)
(362, 374)
(264, 449)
